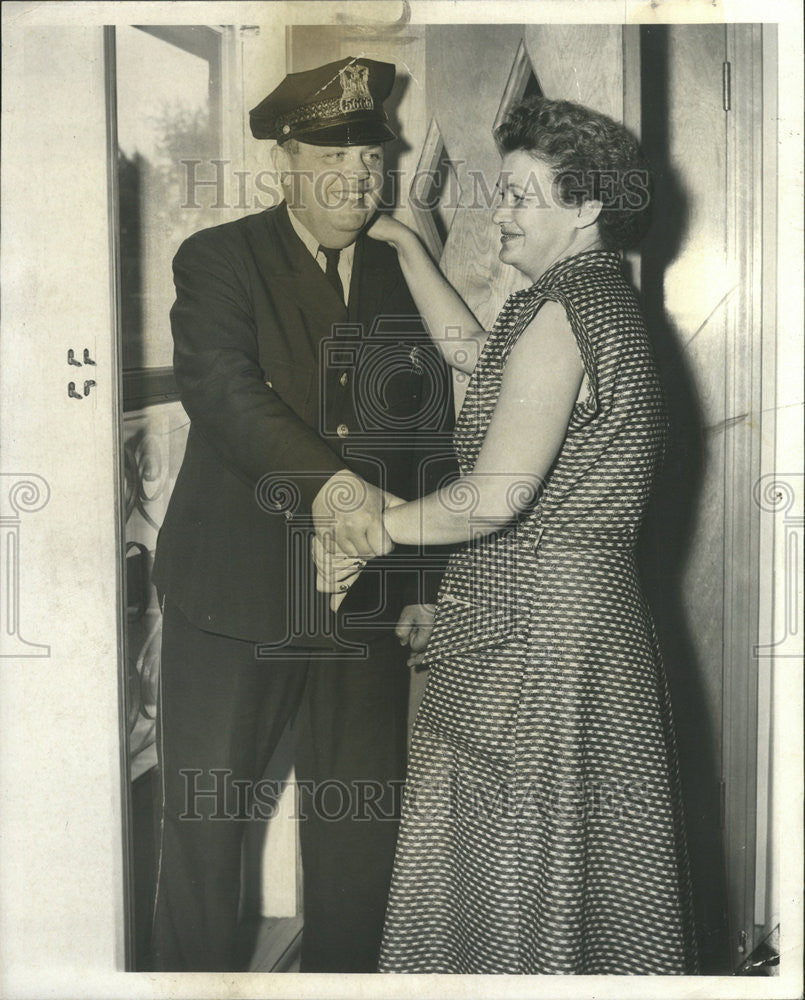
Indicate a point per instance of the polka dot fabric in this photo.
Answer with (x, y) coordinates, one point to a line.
(542, 826)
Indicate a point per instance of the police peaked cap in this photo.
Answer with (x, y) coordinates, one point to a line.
(340, 104)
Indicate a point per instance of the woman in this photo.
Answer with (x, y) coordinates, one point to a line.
(542, 828)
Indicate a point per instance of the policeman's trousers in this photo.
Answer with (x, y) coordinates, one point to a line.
(221, 713)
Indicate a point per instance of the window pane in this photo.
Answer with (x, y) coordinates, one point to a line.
(164, 117)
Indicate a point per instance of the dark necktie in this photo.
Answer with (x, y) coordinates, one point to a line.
(331, 273)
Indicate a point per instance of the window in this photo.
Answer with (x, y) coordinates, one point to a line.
(168, 91)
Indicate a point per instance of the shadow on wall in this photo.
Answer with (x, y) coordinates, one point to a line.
(394, 150)
(672, 517)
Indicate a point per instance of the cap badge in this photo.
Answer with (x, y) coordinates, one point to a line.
(355, 94)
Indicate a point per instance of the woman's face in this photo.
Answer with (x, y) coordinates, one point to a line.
(535, 228)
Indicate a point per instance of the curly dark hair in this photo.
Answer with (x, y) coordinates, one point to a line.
(592, 158)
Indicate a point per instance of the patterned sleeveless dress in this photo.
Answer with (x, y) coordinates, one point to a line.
(542, 828)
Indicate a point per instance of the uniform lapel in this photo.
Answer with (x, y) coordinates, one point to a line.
(373, 279)
(298, 275)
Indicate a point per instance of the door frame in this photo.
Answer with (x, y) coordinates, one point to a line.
(749, 378)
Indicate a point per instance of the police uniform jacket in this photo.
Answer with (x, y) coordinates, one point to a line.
(284, 386)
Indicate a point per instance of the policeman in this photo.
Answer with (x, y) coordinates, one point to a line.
(308, 379)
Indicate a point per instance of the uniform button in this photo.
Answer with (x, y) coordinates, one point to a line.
(344, 380)
(342, 430)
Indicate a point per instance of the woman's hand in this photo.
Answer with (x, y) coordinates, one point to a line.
(414, 628)
(348, 516)
(387, 229)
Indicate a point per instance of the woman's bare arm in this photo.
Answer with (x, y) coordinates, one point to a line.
(540, 386)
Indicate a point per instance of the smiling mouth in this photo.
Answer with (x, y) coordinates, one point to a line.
(351, 200)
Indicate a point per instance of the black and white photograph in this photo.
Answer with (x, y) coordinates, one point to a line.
(402, 499)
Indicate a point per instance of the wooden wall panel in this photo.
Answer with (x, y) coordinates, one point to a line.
(579, 62)
(468, 66)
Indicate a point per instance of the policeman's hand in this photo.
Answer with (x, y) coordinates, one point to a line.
(335, 571)
(348, 515)
(414, 628)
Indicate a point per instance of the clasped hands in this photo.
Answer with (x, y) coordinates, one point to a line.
(349, 531)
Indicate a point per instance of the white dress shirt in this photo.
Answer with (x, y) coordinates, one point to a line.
(344, 261)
